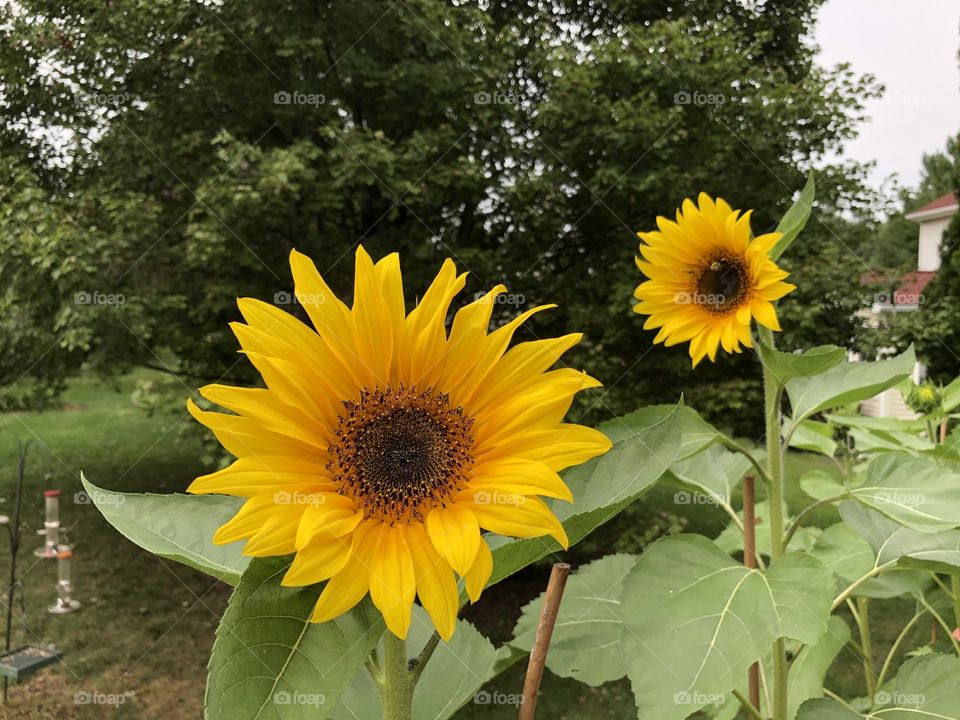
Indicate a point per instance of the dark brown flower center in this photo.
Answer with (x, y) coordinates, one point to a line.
(722, 285)
(399, 452)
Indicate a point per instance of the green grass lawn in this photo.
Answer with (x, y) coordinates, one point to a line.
(146, 627)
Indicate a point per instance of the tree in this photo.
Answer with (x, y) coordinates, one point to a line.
(934, 329)
(195, 144)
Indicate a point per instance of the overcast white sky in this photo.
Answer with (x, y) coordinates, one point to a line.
(911, 47)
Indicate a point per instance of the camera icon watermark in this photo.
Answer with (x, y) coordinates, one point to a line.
(902, 499)
(88, 697)
(298, 498)
(494, 98)
(314, 700)
(101, 99)
(495, 497)
(698, 99)
(697, 298)
(698, 698)
(95, 297)
(98, 498)
(682, 497)
(285, 97)
(485, 697)
(899, 699)
(284, 297)
(514, 299)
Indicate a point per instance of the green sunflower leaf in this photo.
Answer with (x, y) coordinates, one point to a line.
(786, 366)
(714, 472)
(645, 444)
(270, 661)
(844, 553)
(815, 437)
(846, 383)
(925, 687)
(895, 543)
(795, 218)
(586, 643)
(696, 619)
(806, 675)
(918, 493)
(175, 526)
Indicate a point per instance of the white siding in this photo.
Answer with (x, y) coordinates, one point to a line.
(889, 403)
(931, 232)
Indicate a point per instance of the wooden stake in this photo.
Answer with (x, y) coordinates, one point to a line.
(750, 561)
(538, 655)
(943, 431)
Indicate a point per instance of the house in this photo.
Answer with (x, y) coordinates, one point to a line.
(906, 294)
(933, 219)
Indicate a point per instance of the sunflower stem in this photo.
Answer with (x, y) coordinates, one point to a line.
(772, 392)
(424, 657)
(398, 681)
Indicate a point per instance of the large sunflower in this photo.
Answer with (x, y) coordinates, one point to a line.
(383, 444)
(708, 279)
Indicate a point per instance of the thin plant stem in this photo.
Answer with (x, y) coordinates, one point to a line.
(805, 513)
(424, 657)
(863, 606)
(854, 586)
(736, 447)
(942, 623)
(747, 705)
(833, 696)
(955, 591)
(373, 667)
(896, 646)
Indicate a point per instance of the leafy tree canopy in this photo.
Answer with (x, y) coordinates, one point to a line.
(172, 153)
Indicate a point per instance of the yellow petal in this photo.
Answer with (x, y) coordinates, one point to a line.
(455, 534)
(264, 408)
(436, 586)
(262, 473)
(327, 515)
(372, 331)
(765, 314)
(558, 448)
(318, 561)
(513, 515)
(393, 580)
(241, 436)
(520, 476)
(347, 587)
(479, 574)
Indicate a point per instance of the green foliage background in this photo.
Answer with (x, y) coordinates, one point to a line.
(147, 153)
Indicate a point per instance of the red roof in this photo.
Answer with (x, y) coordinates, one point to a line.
(911, 287)
(907, 290)
(941, 202)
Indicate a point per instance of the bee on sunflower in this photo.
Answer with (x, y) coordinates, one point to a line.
(708, 278)
(384, 444)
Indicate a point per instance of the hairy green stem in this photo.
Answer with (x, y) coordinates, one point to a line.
(398, 681)
(772, 392)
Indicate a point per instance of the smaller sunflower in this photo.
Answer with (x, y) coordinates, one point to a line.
(707, 279)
